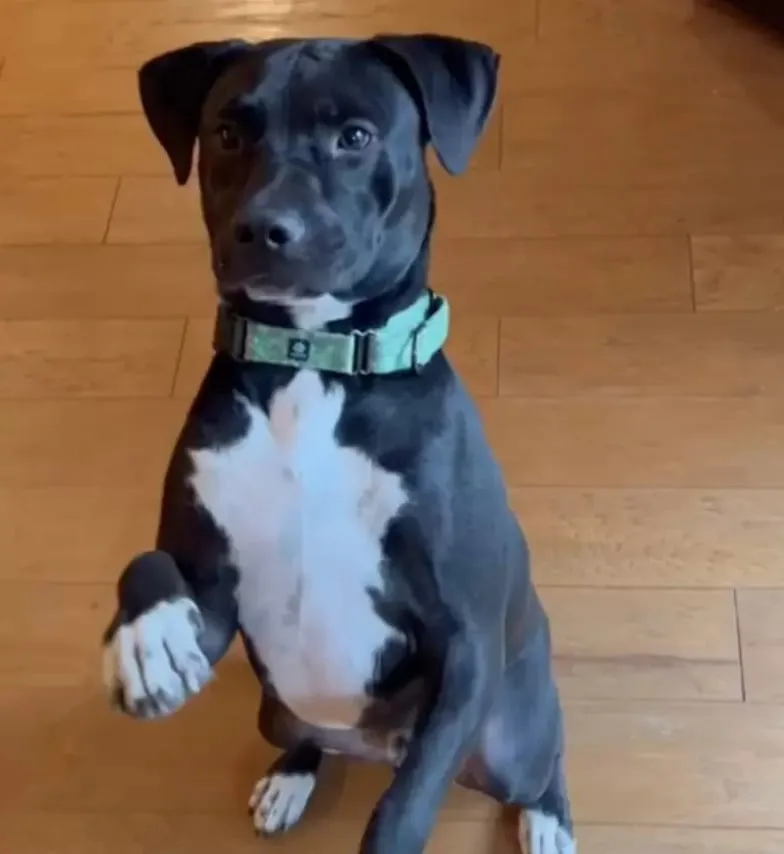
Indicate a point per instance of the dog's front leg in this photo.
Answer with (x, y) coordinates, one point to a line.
(166, 636)
(462, 678)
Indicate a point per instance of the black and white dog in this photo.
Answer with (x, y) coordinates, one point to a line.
(332, 496)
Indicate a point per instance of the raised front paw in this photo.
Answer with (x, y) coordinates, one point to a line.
(154, 664)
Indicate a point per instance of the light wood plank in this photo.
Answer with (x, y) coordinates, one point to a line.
(726, 355)
(654, 537)
(516, 203)
(50, 633)
(55, 210)
(761, 616)
(738, 272)
(598, 839)
(131, 832)
(79, 729)
(66, 143)
(177, 217)
(126, 33)
(75, 37)
(603, 538)
(621, 644)
(654, 442)
(517, 277)
(614, 141)
(30, 89)
(90, 532)
(558, 276)
(494, 275)
(109, 358)
(472, 347)
(95, 282)
(654, 644)
(513, 204)
(87, 442)
(695, 764)
(696, 50)
(728, 760)
(79, 145)
(183, 833)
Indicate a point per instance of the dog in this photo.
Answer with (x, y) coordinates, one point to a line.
(332, 498)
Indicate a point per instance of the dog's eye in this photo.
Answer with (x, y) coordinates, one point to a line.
(354, 138)
(228, 137)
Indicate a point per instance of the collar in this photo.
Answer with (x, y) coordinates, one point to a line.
(406, 342)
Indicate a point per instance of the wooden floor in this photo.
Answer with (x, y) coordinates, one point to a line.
(615, 259)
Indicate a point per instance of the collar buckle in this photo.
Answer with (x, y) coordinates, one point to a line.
(230, 333)
(361, 366)
(239, 335)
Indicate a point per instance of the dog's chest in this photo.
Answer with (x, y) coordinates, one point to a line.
(304, 518)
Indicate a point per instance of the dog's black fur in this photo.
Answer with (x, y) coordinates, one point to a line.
(314, 182)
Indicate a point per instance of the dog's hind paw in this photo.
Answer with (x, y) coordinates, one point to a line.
(541, 833)
(279, 800)
(154, 664)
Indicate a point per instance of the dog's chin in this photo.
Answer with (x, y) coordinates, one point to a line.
(307, 309)
(264, 293)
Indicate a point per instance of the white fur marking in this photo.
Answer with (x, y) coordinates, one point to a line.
(542, 834)
(308, 313)
(155, 661)
(304, 518)
(317, 313)
(279, 800)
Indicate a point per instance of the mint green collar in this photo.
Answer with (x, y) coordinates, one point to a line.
(406, 342)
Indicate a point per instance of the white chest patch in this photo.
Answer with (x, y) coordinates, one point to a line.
(304, 518)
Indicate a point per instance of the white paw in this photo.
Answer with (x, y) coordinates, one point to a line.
(154, 664)
(279, 800)
(542, 834)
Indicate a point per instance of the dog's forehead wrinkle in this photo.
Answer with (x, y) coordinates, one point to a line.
(328, 81)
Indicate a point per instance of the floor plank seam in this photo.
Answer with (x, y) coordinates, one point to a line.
(739, 633)
(112, 206)
(692, 280)
(178, 359)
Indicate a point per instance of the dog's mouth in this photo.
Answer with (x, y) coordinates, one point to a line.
(264, 289)
(305, 310)
(279, 283)
(258, 288)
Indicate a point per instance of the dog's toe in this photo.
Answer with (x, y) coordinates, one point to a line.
(543, 834)
(154, 664)
(279, 800)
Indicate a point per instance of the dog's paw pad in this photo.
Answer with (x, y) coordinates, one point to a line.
(154, 664)
(543, 834)
(279, 800)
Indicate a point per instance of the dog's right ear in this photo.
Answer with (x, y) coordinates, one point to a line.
(454, 83)
(173, 88)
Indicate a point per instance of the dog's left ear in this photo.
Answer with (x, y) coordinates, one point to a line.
(455, 83)
(173, 88)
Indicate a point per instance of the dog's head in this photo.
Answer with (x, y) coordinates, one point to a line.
(312, 153)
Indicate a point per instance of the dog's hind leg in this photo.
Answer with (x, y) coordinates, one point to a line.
(279, 799)
(546, 824)
(519, 760)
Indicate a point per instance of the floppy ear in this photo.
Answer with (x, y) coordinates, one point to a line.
(173, 88)
(454, 82)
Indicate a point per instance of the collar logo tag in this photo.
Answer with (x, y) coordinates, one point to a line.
(299, 350)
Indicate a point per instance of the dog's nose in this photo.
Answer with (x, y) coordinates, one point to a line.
(275, 230)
